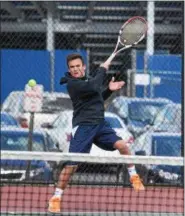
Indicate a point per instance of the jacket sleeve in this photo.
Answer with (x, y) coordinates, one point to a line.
(97, 71)
(106, 93)
(89, 85)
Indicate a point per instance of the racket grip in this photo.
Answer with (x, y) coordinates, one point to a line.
(111, 57)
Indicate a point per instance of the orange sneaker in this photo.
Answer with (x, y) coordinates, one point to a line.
(137, 183)
(54, 204)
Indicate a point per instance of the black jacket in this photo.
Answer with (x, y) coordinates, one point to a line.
(87, 95)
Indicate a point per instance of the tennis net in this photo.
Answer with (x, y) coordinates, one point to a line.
(100, 185)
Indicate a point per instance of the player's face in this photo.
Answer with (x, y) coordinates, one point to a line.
(76, 68)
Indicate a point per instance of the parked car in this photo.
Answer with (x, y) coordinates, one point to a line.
(163, 144)
(61, 129)
(167, 120)
(137, 112)
(16, 139)
(53, 104)
(166, 144)
(8, 120)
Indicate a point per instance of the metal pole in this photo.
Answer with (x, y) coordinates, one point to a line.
(30, 138)
(145, 71)
(128, 83)
(88, 62)
(30, 142)
(132, 75)
(150, 40)
(50, 47)
(150, 32)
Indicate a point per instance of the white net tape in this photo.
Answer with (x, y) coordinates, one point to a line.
(158, 160)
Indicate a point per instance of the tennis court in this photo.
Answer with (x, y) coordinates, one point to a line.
(93, 200)
(95, 214)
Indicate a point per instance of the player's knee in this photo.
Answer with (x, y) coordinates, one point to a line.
(121, 146)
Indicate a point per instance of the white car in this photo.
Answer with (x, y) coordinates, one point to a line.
(62, 127)
(53, 104)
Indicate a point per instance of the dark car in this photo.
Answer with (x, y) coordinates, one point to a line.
(16, 139)
(8, 120)
(166, 144)
(167, 120)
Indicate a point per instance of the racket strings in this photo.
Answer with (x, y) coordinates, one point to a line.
(132, 32)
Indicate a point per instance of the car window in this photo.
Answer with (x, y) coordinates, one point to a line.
(62, 121)
(8, 104)
(8, 120)
(54, 104)
(114, 122)
(51, 104)
(169, 119)
(16, 142)
(143, 112)
(167, 146)
(50, 143)
(119, 106)
(13, 103)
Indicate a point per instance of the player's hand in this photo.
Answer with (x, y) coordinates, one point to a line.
(105, 65)
(114, 86)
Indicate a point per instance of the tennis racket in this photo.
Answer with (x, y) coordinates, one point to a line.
(131, 33)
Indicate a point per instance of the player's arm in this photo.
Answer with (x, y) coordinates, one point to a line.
(113, 86)
(105, 65)
(106, 93)
(98, 70)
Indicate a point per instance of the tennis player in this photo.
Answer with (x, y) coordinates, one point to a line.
(89, 125)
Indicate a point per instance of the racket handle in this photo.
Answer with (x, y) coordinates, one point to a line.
(111, 57)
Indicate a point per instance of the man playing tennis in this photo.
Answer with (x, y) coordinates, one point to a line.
(88, 122)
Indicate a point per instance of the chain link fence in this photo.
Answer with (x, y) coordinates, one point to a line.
(36, 37)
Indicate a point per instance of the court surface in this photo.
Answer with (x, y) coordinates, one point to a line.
(93, 200)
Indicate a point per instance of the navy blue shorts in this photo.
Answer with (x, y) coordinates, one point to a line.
(102, 135)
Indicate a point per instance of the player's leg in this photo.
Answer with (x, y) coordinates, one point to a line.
(64, 178)
(81, 142)
(135, 180)
(107, 139)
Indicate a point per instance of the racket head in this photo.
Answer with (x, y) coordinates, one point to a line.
(133, 31)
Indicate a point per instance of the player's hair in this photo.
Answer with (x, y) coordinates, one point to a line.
(74, 56)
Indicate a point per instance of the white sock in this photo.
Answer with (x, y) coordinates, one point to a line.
(58, 192)
(132, 171)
